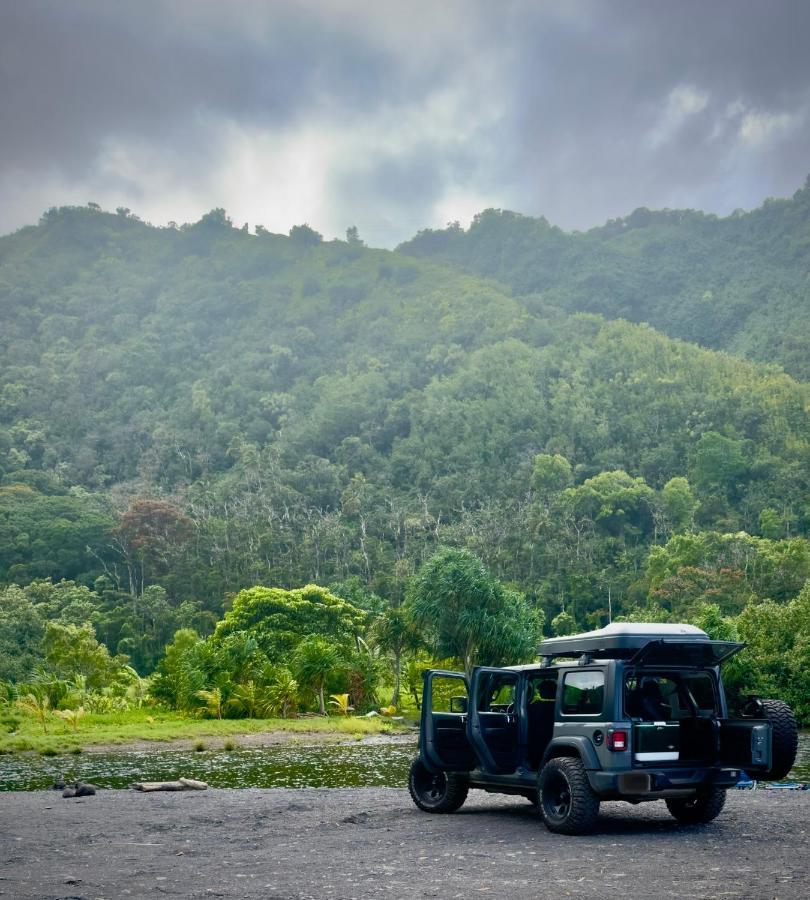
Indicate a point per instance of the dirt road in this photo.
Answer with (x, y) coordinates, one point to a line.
(373, 842)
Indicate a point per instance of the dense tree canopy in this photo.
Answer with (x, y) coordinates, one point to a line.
(197, 421)
(278, 620)
(737, 283)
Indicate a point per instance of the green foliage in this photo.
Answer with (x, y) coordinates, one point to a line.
(182, 671)
(248, 700)
(468, 614)
(562, 624)
(551, 474)
(355, 411)
(37, 705)
(314, 660)
(730, 570)
(281, 692)
(46, 535)
(735, 283)
(21, 631)
(278, 620)
(213, 702)
(778, 637)
(341, 704)
(678, 504)
(719, 462)
(71, 717)
(395, 634)
(74, 650)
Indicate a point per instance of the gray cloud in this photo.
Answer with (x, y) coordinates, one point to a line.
(397, 116)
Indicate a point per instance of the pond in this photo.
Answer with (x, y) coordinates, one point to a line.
(344, 765)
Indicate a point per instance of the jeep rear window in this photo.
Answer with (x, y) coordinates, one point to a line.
(583, 693)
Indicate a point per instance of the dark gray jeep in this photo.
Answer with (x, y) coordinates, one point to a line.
(630, 712)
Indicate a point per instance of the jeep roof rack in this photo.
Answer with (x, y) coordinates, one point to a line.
(621, 640)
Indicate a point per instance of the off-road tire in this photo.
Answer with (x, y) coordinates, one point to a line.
(700, 809)
(442, 792)
(785, 741)
(566, 800)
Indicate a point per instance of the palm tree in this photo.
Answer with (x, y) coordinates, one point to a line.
(213, 702)
(282, 693)
(38, 706)
(247, 699)
(341, 703)
(395, 633)
(314, 661)
(70, 716)
(138, 687)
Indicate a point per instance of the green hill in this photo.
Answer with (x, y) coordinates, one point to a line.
(740, 283)
(206, 409)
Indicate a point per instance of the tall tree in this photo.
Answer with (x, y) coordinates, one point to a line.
(466, 613)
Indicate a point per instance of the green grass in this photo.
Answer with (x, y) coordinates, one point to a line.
(162, 726)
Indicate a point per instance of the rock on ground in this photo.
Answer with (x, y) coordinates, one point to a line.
(372, 842)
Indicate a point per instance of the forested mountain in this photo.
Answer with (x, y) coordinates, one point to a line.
(740, 283)
(186, 412)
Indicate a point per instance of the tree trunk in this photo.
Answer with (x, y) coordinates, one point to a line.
(397, 666)
(322, 709)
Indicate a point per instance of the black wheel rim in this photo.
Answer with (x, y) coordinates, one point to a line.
(557, 796)
(430, 787)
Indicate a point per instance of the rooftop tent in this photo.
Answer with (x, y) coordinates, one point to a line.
(647, 643)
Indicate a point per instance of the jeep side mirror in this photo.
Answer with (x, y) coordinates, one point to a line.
(458, 704)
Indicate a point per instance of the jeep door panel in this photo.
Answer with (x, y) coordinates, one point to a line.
(444, 744)
(493, 722)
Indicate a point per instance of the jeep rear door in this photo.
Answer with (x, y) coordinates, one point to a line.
(696, 654)
(443, 740)
(746, 743)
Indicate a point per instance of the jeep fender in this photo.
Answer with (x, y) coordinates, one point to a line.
(572, 746)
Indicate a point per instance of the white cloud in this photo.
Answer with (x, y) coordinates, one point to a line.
(682, 103)
(281, 177)
(760, 127)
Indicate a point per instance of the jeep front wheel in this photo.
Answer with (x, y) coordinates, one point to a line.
(565, 797)
(436, 792)
(701, 808)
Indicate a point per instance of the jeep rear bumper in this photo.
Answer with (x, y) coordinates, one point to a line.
(654, 783)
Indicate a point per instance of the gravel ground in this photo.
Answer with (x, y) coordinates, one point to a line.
(372, 842)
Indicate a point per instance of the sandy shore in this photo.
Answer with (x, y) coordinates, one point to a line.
(372, 842)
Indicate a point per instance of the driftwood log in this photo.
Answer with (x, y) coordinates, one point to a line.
(182, 784)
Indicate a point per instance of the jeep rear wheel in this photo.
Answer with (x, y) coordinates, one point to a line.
(436, 792)
(565, 797)
(701, 808)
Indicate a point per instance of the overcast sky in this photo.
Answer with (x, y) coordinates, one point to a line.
(394, 116)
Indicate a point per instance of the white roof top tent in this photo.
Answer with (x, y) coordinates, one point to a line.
(643, 642)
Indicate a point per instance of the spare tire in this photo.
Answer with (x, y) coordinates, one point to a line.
(785, 731)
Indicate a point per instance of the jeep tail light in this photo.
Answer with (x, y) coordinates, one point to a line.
(617, 740)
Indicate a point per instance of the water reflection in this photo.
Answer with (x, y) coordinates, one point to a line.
(355, 765)
(298, 767)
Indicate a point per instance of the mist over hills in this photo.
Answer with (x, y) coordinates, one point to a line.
(740, 283)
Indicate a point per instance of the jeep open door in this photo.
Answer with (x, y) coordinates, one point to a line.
(493, 721)
(443, 739)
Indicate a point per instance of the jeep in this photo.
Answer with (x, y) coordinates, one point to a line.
(633, 712)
